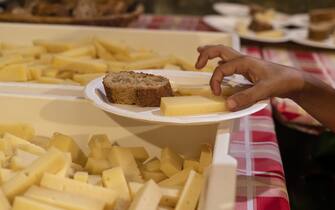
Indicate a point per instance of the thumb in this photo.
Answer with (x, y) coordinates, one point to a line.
(247, 97)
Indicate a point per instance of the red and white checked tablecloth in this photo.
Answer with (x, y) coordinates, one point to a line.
(261, 181)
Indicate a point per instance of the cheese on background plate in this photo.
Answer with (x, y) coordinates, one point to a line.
(23, 203)
(192, 105)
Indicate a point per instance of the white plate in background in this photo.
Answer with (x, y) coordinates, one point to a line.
(300, 36)
(228, 24)
(231, 9)
(95, 92)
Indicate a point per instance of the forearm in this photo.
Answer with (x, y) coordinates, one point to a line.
(318, 99)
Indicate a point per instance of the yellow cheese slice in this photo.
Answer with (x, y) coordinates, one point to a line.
(55, 182)
(147, 197)
(23, 203)
(114, 179)
(64, 200)
(170, 195)
(50, 162)
(192, 105)
(191, 192)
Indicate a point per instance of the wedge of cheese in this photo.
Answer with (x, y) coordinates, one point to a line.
(64, 200)
(114, 179)
(191, 192)
(192, 105)
(147, 197)
(50, 162)
(24, 203)
(124, 158)
(171, 162)
(108, 196)
(170, 195)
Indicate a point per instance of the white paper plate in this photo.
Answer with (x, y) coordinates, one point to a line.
(95, 92)
(231, 9)
(228, 24)
(298, 20)
(300, 36)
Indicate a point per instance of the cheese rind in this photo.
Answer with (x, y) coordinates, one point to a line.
(171, 162)
(191, 192)
(55, 182)
(147, 197)
(64, 200)
(24, 203)
(192, 105)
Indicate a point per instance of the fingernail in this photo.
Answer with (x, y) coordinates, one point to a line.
(231, 104)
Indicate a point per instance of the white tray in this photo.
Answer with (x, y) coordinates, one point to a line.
(180, 43)
(95, 92)
(300, 36)
(65, 114)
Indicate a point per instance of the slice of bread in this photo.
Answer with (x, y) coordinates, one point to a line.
(140, 89)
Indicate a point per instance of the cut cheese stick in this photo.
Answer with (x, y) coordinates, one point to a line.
(81, 176)
(147, 197)
(65, 171)
(191, 164)
(84, 79)
(139, 153)
(151, 63)
(64, 200)
(7, 60)
(152, 165)
(192, 105)
(21, 160)
(79, 65)
(4, 203)
(14, 73)
(113, 47)
(157, 176)
(64, 184)
(171, 162)
(206, 157)
(23, 203)
(23, 144)
(114, 179)
(170, 195)
(80, 51)
(51, 162)
(191, 192)
(53, 46)
(6, 174)
(178, 179)
(25, 51)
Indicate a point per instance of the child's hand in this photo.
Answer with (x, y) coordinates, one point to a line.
(269, 79)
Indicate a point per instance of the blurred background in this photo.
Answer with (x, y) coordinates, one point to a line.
(201, 7)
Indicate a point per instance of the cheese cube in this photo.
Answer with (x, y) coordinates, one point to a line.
(147, 197)
(6, 174)
(139, 153)
(191, 192)
(156, 176)
(171, 162)
(191, 164)
(24, 203)
(21, 160)
(79, 65)
(23, 144)
(65, 171)
(80, 51)
(96, 166)
(67, 144)
(124, 158)
(51, 162)
(114, 179)
(192, 105)
(4, 203)
(178, 179)
(206, 157)
(63, 199)
(170, 195)
(152, 165)
(84, 79)
(81, 176)
(14, 73)
(53, 46)
(64, 184)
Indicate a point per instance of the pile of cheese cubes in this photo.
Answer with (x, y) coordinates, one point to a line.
(55, 174)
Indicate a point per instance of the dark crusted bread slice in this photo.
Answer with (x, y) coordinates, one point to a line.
(140, 89)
